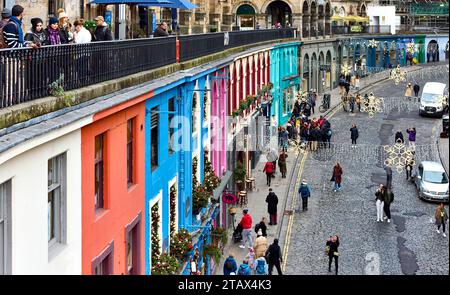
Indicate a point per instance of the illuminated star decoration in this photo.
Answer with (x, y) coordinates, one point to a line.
(346, 69)
(372, 105)
(298, 145)
(398, 156)
(397, 75)
(373, 43)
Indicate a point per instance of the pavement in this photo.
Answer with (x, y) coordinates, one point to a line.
(443, 152)
(409, 244)
(282, 187)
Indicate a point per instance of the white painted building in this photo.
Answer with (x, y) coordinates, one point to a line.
(40, 214)
(383, 16)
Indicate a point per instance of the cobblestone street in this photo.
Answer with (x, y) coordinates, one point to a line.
(407, 245)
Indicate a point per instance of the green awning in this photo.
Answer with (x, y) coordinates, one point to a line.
(429, 8)
(217, 193)
(245, 9)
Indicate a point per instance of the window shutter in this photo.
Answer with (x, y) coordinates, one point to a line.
(155, 118)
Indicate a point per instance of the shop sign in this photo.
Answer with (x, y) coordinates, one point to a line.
(229, 198)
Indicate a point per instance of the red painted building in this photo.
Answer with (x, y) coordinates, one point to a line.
(113, 191)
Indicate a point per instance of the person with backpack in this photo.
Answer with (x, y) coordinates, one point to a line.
(261, 226)
(12, 32)
(261, 244)
(244, 269)
(269, 169)
(102, 32)
(332, 252)
(230, 265)
(272, 202)
(260, 266)
(304, 193)
(274, 257)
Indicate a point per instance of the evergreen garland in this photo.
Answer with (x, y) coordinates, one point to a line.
(173, 209)
(211, 181)
(155, 235)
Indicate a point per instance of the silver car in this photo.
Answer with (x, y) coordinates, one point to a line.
(432, 181)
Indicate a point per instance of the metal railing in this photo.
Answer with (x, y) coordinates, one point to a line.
(27, 74)
(357, 29)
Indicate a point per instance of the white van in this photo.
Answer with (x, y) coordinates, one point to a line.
(430, 101)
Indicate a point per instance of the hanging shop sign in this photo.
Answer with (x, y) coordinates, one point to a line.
(229, 198)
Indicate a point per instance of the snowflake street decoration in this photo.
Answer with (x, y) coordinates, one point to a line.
(398, 156)
(298, 145)
(302, 95)
(346, 69)
(443, 99)
(372, 105)
(373, 43)
(397, 75)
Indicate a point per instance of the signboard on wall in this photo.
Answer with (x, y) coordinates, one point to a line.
(108, 17)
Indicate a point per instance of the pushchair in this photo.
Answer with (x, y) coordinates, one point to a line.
(237, 234)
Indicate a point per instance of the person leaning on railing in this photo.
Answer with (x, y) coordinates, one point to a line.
(13, 33)
(37, 35)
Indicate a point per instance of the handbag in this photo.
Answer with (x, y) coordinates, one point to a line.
(332, 178)
(336, 253)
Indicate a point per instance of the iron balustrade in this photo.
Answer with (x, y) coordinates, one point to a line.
(26, 73)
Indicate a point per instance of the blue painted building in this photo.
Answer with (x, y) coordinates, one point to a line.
(285, 78)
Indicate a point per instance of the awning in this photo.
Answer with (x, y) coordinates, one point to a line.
(180, 4)
(223, 183)
(290, 77)
(146, 2)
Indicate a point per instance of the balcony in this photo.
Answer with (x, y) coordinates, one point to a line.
(355, 30)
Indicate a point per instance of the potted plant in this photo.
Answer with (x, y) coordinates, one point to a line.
(166, 265)
(219, 234)
(239, 175)
(181, 244)
(213, 251)
(200, 198)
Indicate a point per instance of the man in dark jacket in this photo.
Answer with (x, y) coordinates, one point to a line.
(399, 137)
(261, 226)
(102, 32)
(272, 202)
(388, 199)
(274, 257)
(416, 91)
(161, 30)
(354, 134)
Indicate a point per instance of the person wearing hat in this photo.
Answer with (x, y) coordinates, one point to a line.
(6, 14)
(53, 32)
(246, 223)
(12, 31)
(261, 244)
(304, 192)
(409, 91)
(37, 35)
(65, 27)
(102, 32)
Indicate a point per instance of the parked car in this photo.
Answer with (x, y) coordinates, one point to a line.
(432, 181)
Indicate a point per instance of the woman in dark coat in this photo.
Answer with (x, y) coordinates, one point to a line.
(272, 202)
(282, 164)
(354, 134)
(274, 257)
(332, 249)
(337, 176)
(37, 34)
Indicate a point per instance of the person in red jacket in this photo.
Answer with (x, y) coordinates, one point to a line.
(246, 223)
(269, 168)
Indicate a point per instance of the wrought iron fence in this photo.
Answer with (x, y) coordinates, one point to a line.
(27, 74)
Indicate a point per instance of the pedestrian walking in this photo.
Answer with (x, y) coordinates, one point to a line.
(37, 34)
(272, 202)
(409, 168)
(304, 192)
(357, 82)
(244, 269)
(230, 265)
(441, 218)
(344, 102)
(246, 223)
(388, 199)
(358, 101)
(332, 246)
(261, 226)
(284, 139)
(269, 168)
(282, 164)
(351, 101)
(409, 91)
(412, 137)
(102, 32)
(416, 92)
(313, 99)
(261, 244)
(337, 177)
(399, 137)
(272, 156)
(251, 257)
(379, 201)
(274, 257)
(260, 266)
(354, 134)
